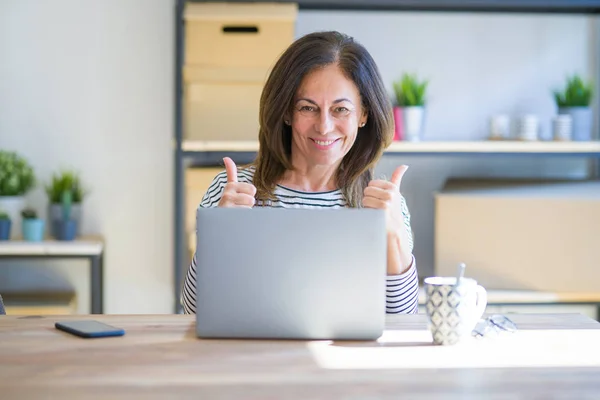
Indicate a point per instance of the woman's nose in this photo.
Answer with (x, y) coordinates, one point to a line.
(324, 124)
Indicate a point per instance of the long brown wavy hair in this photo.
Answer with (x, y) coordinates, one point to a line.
(317, 50)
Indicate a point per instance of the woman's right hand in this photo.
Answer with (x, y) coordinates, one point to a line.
(236, 194)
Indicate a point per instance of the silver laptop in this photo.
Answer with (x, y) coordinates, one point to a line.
(291, 273)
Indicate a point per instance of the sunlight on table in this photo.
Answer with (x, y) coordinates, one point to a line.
(414, 349)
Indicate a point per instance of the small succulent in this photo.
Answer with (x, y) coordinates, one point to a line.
(29, 213)
(65, 181)
(410, 91)
(577, 93)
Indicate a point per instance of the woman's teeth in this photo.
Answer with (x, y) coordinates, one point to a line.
(324, 142)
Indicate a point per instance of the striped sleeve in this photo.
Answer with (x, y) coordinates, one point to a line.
(215, 191)
(402, 292)
(188, 297)
(406, 215)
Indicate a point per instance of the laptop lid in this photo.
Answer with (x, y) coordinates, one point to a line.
(291, 273)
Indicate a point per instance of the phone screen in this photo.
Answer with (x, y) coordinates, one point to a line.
(89, 328)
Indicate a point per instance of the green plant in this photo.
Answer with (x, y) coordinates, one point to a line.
(577, 93)
(16, 175)
(4, 215)
(29, 213)
(410, 91)
(65, 181)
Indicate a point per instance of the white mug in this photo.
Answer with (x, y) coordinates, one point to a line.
(453, 310)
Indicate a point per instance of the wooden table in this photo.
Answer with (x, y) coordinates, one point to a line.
(91, 249)
(552, 356)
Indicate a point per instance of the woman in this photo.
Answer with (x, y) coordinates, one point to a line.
(325, 120)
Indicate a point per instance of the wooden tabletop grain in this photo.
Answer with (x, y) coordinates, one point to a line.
(551, 356)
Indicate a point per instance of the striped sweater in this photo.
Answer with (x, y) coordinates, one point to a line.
(402, 291)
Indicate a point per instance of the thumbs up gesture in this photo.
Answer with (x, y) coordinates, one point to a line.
(236, 194)
(385, 195)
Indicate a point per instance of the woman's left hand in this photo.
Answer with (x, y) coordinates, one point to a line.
(385, 195)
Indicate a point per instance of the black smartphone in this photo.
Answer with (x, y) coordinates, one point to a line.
(89, 329)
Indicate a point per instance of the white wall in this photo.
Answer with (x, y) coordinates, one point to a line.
(478, 63)
(89, 85)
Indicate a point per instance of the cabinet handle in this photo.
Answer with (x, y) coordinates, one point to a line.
(240, 29)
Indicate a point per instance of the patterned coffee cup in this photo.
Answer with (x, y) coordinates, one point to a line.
(453, 310)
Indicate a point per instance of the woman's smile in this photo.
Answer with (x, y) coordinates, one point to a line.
(325, 144)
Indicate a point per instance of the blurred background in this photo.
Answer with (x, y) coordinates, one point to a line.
(91, 87)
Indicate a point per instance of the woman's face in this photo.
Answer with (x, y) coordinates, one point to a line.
(327, 113)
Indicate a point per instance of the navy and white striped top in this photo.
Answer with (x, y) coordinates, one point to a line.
(402, 292)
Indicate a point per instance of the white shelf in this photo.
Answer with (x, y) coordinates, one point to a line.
(496, 147)
(540, 147)
(79, 247)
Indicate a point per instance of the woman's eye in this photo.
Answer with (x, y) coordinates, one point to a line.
(307, 108)
(342, 111)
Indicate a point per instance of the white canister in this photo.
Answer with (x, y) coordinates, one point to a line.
(562, 127)
(499, 127)
(528, 127)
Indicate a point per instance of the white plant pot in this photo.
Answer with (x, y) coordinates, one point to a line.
(413, 119)
(582, 121)
(13, 205)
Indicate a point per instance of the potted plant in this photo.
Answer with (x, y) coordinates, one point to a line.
(575, 100)
(65, 228)
(4, 226)
(409, 113)
(16, 179)
(33, 227)
(61, 182)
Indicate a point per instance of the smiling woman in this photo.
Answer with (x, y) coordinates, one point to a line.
(325, 120)
(325, 87)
